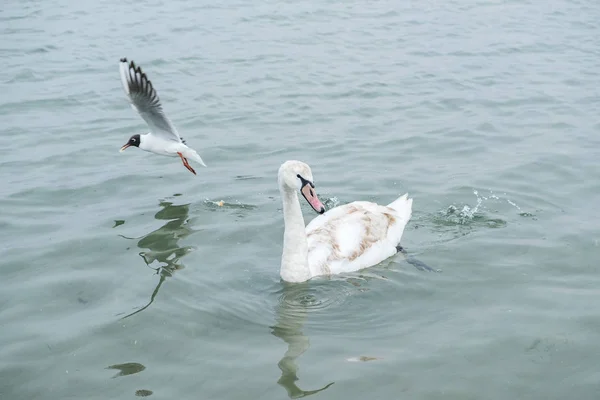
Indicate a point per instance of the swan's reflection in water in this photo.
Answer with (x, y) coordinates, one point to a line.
(291, 313)
(162, 245)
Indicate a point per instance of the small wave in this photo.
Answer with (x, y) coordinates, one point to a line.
(42, 49)
(26, 75)
(245, 177)
(127, 369)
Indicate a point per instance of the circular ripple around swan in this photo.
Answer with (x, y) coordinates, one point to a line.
(314, 296)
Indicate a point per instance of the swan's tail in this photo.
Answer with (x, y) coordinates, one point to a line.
(191, 153)
(403, 205)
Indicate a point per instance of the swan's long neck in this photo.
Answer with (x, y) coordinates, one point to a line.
(294, 261)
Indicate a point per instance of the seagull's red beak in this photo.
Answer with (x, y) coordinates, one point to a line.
(124, 147)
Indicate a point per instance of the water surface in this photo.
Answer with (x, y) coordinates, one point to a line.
(123, 276)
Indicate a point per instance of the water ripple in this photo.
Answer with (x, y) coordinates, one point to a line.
(316, 297)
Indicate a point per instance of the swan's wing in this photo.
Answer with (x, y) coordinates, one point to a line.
(353, 236)
(398, 213)
(145, 101)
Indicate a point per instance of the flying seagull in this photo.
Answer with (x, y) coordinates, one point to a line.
(163, 138)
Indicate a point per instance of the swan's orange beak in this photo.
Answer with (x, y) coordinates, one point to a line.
(310, 195)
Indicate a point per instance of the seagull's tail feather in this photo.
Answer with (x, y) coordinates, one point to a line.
(191, 154)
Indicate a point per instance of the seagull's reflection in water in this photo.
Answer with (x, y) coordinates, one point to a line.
(291, 314)
(162, 245)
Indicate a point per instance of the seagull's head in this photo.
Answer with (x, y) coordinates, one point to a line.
(133, 141)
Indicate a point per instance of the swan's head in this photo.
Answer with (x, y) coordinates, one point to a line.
(296, 175)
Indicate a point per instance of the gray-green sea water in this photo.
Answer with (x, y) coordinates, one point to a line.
(123, 276)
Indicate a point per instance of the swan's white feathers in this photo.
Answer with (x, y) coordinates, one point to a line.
(356, 235)
(144, 99)
(400, 203)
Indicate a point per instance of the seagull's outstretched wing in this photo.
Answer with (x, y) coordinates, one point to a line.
(145, 101)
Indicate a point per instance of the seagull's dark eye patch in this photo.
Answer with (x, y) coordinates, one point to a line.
(134, 141)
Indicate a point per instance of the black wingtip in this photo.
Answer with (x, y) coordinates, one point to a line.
(131, 63)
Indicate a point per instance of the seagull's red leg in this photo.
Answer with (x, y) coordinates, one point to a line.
(189, 167)
(186, 164)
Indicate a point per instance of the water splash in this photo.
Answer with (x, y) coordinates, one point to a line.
(493, 196)
(467, 214)
(513, 204)
(331, 202)
(214, 205)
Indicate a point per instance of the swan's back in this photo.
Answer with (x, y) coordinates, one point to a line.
(356, 235)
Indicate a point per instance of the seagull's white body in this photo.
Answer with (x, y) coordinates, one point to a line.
(344, 239)
(162, 147)
(163, 138)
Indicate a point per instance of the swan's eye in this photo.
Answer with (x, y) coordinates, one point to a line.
(305, 182)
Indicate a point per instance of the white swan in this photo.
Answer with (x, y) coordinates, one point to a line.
(344, 239)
